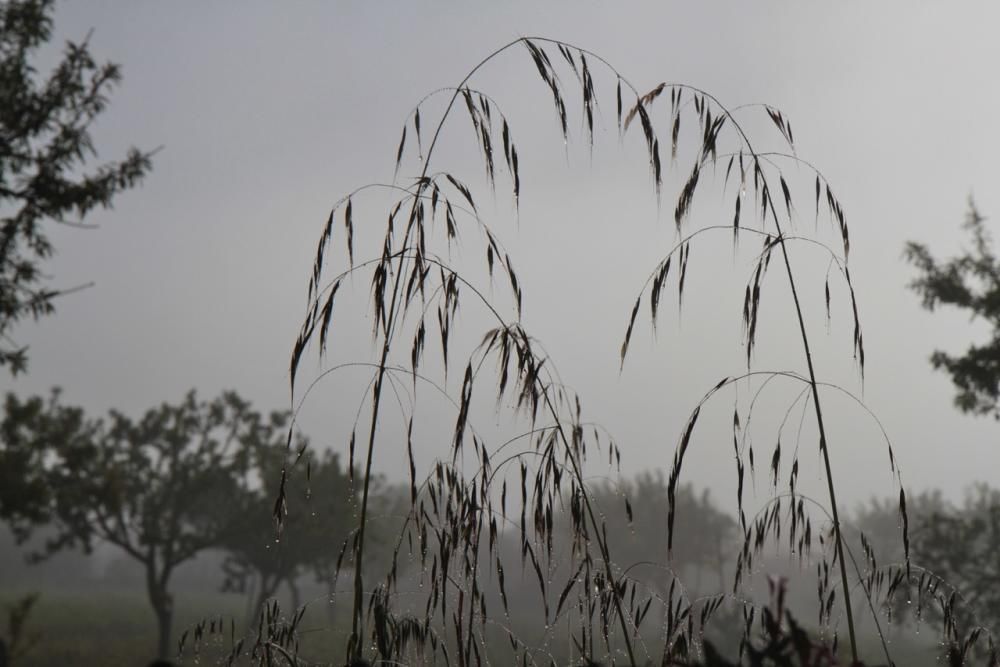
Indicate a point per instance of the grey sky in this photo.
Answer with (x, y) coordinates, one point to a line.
(269, 113)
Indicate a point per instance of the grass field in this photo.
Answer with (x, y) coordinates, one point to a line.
(118, 628)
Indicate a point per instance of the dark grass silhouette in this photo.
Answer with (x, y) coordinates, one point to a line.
(479, 489)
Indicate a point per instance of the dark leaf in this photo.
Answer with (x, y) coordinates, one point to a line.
(349, 225)
(736, 217)
(569, 586)
(505, 134)
(657, 177)
(399, 152)
(461, 187)
(826, 291)
(687, 195)
(628, 332)
(685, 253)
(416, 126)
(817, 197)
(775, 463)
(787, 195)
(327, 315)
(618, 94)
(674, 134)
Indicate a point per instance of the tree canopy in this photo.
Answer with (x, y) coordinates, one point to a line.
(705, 537)
(45, 149)
(970, 282)
(161, 488)
(959, 545)
(316, 526)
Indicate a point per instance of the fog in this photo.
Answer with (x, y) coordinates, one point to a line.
(268, 115)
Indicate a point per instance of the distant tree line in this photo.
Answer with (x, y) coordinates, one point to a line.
(202, 475)
(183, 479)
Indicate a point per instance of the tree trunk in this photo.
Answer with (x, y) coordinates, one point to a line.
(296, 594)
(164, 621)
(163, 607)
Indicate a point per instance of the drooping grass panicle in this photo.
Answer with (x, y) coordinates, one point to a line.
(455, 517)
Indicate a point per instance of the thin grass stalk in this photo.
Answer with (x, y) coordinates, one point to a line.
(820, 423)
(869, 594)
(601, 542)
(475, 583)
(354, 643)
(397, 306)
(813, 383)
(822, 435)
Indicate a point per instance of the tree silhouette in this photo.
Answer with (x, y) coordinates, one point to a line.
(705, 537)
(316, 528)
(958, 546)
(970, 282)
(160, 488)
(45, 145)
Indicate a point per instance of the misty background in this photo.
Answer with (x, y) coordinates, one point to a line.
(270, 114)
